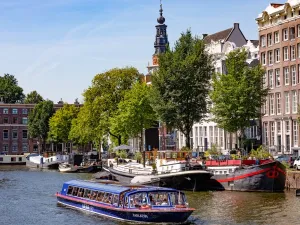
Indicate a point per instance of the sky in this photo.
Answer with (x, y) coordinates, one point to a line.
(56, 47)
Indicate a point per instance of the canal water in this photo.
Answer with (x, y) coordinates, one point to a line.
(27, 196)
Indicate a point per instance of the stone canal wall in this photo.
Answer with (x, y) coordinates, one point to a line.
(292, 180)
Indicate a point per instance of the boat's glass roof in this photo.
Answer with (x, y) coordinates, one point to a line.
(112, 188)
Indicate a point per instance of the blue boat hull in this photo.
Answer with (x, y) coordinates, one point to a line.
(144, 216)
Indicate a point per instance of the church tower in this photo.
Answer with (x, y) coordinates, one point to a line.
(161, 41)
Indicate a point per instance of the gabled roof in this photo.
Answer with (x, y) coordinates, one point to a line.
(221, 35)
(255, 42)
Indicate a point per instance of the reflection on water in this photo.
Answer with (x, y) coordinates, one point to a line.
(27, 197)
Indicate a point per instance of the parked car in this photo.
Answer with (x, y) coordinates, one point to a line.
(287, 159)
(296, 164)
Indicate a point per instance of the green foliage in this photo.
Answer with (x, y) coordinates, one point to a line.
(212, 151)
(138, 156)
(134, 113)
(185, 149)
(122, 154)
(33, 98)
(235, 156)
(238, 95)
(104, 95)
(10, 92)
(60, 123)
(81, 131)
(181, 85)
(39, 117)
(260, 153)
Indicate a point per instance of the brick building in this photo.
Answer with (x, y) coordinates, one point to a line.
(14, 136)
(279, 33)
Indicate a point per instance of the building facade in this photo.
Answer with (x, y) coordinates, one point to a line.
(207, 133)
(279, 33)
(14, 135)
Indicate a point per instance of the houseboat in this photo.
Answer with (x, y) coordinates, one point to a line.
(47, 161)
(163, 169)
(246, 175)
(141, 204)
(12, 159)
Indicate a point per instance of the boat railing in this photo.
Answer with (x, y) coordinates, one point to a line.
(235, 162)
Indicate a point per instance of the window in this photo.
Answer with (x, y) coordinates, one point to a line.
(269, 36)
(295, 130)
(271, 80)
(35, 147)
(5, 111)
(14, 111)
(278, 100)
(5, 120)
(14, 134)
(266, 109)
(277, 55)
(293, 52)
(278, 127)
(272, 104)
(272, 133)
(25, 111)
(263, 58)
(298, 28)
(276, 37)
(24, 134)
(294, 102)
(292, 33)
(5, 134)
(294, 78)
(287, 102)
(287, 126)
(266, 133)
(286, 76)
(265, 78)
(270, 57)
(24, 120)
(285, 53)
(263, 41)
(277, 77)
(15, 120)
(285, 34)
(5, 147)
(24, 148)
(15, 147)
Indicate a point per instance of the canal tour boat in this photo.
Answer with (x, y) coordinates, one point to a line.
(126, 203)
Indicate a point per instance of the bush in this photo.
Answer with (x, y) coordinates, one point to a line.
(260, 153)
(122, 154)
(138, 156)
(212, 151)
(185, 149)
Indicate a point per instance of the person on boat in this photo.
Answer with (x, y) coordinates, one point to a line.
(165, 202)
(152, 202)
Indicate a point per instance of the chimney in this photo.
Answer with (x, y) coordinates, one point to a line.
(204, 36)
(236, 25)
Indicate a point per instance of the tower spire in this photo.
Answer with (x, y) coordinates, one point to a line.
(161, 19)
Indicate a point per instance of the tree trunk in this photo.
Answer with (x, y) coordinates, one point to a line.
(100, 153)
(119, 137)
(188, 138)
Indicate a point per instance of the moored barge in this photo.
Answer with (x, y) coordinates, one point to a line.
(126, 203)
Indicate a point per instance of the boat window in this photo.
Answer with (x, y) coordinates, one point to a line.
(115, 200)
(100, 196)
(70, 189)
(174, 155)
(168, 155)
(75, 190)
(159, 198)
(138, 199)
(93, 195)
(177, 198)
(107, 198)
(87, 193)
(80, 192)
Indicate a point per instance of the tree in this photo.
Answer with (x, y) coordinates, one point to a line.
(10, 92)
(181, 85)
(135, 113)
(238, 96)
(39, 117)
(33, 98)
(60, 123)
(105, 93)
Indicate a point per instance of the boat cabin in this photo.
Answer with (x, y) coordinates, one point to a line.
(131, 197)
